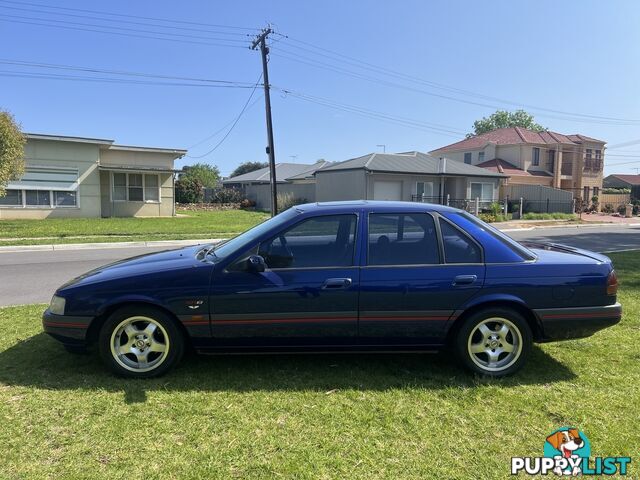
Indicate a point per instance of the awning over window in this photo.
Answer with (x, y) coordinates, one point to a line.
(43, 178)
(138, 169)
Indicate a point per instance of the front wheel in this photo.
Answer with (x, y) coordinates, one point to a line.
(494, 342)
(140, 342)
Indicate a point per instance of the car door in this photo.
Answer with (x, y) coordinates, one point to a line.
(307, 295)
(418, 269)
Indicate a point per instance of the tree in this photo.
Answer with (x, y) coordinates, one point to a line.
(505, 119)
(247, 167)
(207, 175)
(189, 190)
(11, 150)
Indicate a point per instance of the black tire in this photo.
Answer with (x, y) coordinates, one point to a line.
(491, 344)
(145, 351)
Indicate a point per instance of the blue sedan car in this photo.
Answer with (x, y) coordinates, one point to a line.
(347, 276)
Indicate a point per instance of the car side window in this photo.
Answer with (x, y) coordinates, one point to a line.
(458, 247)
(402, 239)
(324, 241)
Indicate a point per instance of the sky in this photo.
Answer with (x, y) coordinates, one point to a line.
(348, 78)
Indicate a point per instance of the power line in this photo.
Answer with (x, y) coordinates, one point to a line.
(403, 121)
(586, 118)
(125, 29)
(117, 72)
(128, 22)
(53, 76)
(192, 42)
(221, 129)
(244, 107)
(183, 22)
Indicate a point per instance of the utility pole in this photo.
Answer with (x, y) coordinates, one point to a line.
(261, 41)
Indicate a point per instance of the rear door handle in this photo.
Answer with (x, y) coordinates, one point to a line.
(335, 283)
(464, 280)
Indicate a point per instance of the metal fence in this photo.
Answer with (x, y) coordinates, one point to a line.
(474, 206)
(504, 206)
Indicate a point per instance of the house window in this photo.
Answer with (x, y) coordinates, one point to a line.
(587, 160)
(483, 191)
(480, 157)
(598, 163)
(119, 187)
(13, 198)
(37, 198)
(151, 188)
(585, 194)
(551, 160)
(65, 199)
(424, 189)
(596, 191)
(43, 187)
(467, 158)
(536, 157)
(135, 187)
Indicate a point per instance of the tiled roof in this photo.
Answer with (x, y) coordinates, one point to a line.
(502, 166)
(515, 136)
(630, 179)
(412, 163)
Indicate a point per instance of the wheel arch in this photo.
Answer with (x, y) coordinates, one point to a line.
(513, 303)
(98, 321)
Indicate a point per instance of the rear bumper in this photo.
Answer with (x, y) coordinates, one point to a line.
(579, 322)
(67, 329)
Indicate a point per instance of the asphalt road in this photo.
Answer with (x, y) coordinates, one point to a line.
(32, 277)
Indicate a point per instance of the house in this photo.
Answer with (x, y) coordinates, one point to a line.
(406, 176)
(624, 181)
(91, 177)
(294, 179)
(569, 162)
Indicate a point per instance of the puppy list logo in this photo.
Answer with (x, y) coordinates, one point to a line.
(567, 451)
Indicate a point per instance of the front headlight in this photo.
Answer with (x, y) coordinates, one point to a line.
(57, 305)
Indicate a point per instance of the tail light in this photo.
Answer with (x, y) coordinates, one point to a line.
(612, 283)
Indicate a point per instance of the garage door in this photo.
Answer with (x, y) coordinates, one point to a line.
(384, 190)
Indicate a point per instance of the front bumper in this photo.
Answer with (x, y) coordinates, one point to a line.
(70, 330)
(577, 322)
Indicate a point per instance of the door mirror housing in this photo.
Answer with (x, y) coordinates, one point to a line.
(256, 264)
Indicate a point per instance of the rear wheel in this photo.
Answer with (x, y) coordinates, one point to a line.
(494, 342)
(140, 342)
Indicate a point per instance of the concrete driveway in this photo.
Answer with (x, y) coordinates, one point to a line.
(33, 276)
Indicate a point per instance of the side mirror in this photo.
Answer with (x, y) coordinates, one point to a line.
(256, 264)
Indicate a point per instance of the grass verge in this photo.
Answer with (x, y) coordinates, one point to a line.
(214, 224)
(324, 416)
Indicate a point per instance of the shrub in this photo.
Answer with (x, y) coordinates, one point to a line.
(616, 190)
(549, 216)
(287, 200)
(189, 190)
(608, 208)
(246, 203)
(622, 210)
(495, 208)
(227, 195)
(488, 217)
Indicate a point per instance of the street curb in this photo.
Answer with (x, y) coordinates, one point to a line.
(90, 246)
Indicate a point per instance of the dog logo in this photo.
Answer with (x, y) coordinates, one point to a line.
(567, 451)
(567, 443)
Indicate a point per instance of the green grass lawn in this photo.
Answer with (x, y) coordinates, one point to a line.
(215, 224)
(318, 416)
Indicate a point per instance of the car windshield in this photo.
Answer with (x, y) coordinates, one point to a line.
(237, 243)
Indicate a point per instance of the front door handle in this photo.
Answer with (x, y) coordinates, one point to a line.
(464, 280)
(335, 283)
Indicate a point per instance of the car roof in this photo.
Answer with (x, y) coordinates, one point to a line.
(372, 205)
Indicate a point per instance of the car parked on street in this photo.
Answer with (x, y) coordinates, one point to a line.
(346, 276)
